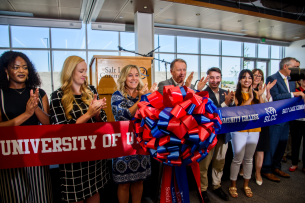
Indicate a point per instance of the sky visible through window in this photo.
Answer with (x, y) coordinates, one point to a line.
(199, 53)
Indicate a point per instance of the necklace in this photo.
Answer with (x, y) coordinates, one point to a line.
(19, 92)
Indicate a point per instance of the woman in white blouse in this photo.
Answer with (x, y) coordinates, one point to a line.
(263, 142)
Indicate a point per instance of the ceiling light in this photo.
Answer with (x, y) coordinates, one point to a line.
(243, 30)
(197, 14)
(296, 37)
(239, 21)
(145, 7)
(121, 17)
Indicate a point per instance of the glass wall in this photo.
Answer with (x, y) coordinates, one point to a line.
(48, 48)
(202, 54)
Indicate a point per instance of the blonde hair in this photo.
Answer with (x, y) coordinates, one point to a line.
(66, 81)
(123, 76)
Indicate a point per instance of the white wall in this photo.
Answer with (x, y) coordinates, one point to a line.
(295, 50)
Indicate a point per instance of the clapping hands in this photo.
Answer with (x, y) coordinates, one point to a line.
(201, 84)
(32, 103)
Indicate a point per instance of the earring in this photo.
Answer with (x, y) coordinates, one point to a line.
(8, 77)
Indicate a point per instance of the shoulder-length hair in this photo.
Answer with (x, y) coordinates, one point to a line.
(121, 82)
(7, 59)
(238, 93)
(66, 85)
(260, 72)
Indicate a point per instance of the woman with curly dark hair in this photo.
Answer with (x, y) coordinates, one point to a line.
(22, 103)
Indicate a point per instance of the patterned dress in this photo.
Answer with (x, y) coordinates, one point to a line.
(78, 180)
(27, 184)
(132, 168)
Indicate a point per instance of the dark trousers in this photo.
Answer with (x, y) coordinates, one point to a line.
(278, 141)
(296, 136)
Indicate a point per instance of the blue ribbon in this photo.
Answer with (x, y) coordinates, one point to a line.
(181, 176)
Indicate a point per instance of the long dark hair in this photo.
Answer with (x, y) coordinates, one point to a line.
(7, 59)
(238, 93)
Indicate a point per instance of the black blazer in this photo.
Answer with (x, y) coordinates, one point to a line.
(227, 136)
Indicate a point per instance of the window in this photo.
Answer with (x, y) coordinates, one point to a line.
(127, 40)
(249, 65)
(275, 66)
(230, 72)
(263, 51)
(230, 48)
(166, 43)
(2, 51)
(160, 74)
(69, 38)
(210, 46)
(208, 62)
(192, 65)
(249, 50)
(275, 52)
(103, 40)
(4, 39)
(30, 37)
(187, 45)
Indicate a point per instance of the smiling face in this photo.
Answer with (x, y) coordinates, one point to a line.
(179, 72)
(80, 73)
(18, 71)
(214, 79)
(257, 78)
(132, 80)
(246, 80)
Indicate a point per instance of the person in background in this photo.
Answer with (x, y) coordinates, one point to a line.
(263, 142)
(297, 132)
(221, 98)
(77, 102)
(288, 150)
(129, 172)
(22, 103)
(244, 142)
(283, 89)
(178, 70)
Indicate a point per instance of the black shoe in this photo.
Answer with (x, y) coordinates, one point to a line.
(220, 193)
(205, 197)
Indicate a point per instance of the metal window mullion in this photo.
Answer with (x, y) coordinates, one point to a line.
(269, 51)
(176, 46)
(256, 50)
(51, 58)
(86, 40)
(10, 36)
(220, 56)
(199, 59)
(119, 40)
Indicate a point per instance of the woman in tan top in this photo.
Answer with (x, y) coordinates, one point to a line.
(244, 142)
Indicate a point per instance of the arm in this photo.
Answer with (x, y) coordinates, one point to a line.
(275, 93)
(30, 107)
(43, 116)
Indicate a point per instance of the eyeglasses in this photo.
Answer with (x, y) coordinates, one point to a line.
(258, 76)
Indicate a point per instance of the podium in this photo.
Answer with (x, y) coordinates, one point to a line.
(104, 72)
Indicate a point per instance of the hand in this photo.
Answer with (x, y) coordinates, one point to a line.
(229, 97)
(270, 85)
(143, 91)
(251, 93)
(35, 96)
(299, 94)
(31, 105)
(154, 88)
(261, 89)
(189, 79)
(95, 107)
(201, 84)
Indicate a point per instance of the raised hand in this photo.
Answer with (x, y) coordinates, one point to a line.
(229, 97)
(261, 89)
(154, 88)
(251, 93)
(201, 84)
(32, 104)
(189, 79)
(94, 107)
(270, 85)
(143, 91)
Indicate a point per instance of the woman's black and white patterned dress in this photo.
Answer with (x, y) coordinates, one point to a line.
(132, 168)
(27, 184)
(78, 180)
